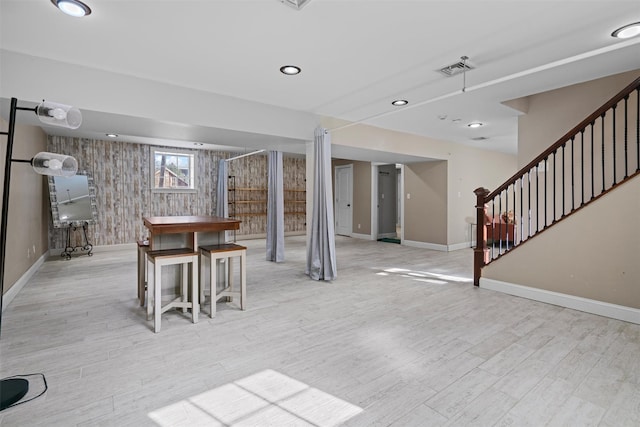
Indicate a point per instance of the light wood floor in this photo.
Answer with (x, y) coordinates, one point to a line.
(402, 338)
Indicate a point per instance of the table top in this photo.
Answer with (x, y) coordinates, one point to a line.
(189, 224)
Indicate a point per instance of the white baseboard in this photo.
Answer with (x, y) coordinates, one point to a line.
(424, 245)
(17, 287)
(620, 312)
(96, 249)
(264, 235)
(458, 246)
(362, 236)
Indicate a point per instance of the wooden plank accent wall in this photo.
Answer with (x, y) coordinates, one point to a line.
(121, 173)
(251, 182)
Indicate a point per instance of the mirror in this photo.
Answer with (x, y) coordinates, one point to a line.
(73, 200)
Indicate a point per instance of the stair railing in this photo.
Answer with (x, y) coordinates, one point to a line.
(588, 161)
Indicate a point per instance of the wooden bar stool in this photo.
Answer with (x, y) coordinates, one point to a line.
(143, 248)
(227, 251)
(165, 257)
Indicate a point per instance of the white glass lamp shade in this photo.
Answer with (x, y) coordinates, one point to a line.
(52, 113)
(54, 164)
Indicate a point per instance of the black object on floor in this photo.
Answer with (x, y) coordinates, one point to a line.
(389, 240)
(11, 391)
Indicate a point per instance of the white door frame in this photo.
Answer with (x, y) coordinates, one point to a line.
(374, 200)
(401, 236)
(349, 227)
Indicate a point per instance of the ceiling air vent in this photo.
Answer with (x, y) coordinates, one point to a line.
(457, 68)
(295, 3)
(479, 138)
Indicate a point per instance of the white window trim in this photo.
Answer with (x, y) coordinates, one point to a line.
(172, 151)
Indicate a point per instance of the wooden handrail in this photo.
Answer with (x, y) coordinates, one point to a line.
(563, 140)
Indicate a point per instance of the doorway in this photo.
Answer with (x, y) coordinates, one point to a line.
(343, 202)
(387, 201)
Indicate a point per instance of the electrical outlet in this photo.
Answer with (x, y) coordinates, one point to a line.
(33, 250)
(359, 226)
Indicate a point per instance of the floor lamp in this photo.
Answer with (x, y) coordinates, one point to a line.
(14, 389)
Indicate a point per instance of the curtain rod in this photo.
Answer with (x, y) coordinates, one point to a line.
(244, 155)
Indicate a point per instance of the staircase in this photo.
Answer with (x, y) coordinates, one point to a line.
(593, 158)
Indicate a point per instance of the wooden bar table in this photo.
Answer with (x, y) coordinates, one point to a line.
(172, 232)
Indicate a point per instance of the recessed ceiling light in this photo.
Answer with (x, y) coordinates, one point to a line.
(198, 144)
(112, 135)
(400, 102)
(627, 31)
(290, 70)
(72, 7)
(475, 125)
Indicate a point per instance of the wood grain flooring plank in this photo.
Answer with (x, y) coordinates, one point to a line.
(401, 334)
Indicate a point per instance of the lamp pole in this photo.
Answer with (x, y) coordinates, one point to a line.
(12, 389)
(5, 198)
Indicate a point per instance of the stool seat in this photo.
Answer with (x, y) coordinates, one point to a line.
(165, 257)
(223, 247)
(171, 253)
(227, 251)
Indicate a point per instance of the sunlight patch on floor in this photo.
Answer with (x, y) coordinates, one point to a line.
(424, 276)
(265, 398)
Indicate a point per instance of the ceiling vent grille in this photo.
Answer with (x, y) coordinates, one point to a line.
(455, 69)
(295, 3)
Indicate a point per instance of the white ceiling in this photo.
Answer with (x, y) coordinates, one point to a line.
(356, 57)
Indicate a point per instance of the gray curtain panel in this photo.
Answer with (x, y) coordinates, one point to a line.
(275, 208)
(321, 256)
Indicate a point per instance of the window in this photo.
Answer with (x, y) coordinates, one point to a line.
(173, 170)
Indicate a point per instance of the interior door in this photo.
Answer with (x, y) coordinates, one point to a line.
(343, 202)
(387, 200)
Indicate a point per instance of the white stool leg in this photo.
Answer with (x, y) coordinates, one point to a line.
(150, 290)
(243, 280)
(230, 276)
(141, 266)
(202, 278)
(184, 283)
(157, 297)
(195, 308)
(214, 290)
